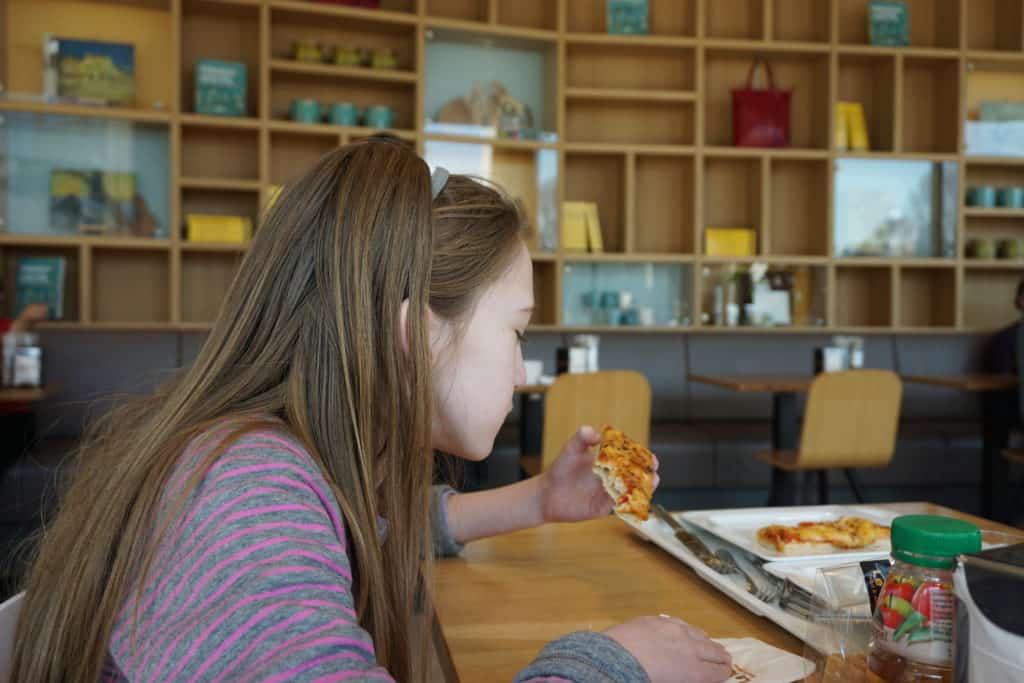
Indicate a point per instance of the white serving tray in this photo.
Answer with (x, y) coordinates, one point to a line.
(739, 526)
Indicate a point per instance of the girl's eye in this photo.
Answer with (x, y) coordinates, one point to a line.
(521, 336)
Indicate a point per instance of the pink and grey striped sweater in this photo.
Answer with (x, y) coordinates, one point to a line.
(254, 584)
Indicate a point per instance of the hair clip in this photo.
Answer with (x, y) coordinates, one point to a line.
(438, 179)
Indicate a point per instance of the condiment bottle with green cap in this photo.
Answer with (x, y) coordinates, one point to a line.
(914, 617)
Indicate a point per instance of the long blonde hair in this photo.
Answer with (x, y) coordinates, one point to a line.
(310, 334)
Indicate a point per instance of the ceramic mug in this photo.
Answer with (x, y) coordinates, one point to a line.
(344, 114)
(980, 248)
(982, 195)
(1010, 249)
(379, 117)
(306, 111)
(1011, 197)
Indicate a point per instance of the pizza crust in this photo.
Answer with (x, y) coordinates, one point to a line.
(626, 469)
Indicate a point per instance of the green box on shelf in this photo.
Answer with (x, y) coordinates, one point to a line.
(628, 16)
(888, 23)
(40, 280)
(220, 88)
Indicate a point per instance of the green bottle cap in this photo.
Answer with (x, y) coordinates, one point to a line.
(933, 541)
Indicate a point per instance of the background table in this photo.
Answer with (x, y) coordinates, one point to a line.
(505, 597)
(785, 421)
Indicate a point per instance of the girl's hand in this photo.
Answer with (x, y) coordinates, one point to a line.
(570, 491)
(672, 651)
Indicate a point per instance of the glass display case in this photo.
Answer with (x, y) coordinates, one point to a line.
(489, 86)
(626, 294)
(761, 294)
(895, 208)
(76, 175)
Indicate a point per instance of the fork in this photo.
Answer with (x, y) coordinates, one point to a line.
(764, 593)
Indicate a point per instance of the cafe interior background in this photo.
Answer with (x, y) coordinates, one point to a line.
(718, 190)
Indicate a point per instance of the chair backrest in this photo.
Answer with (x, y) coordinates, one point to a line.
(621, 398)
(9, 612)
(851, 420)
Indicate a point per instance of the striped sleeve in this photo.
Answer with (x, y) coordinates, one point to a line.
(253, 583)
(583, 657)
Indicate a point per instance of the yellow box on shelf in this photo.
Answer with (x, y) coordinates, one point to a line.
(851, 127)
(208, 228)
(730, 242)
(581, 227)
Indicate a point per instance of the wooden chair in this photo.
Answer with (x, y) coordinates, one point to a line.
(621, 398)
(850, 421)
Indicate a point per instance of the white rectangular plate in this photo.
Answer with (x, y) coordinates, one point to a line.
(739, 526)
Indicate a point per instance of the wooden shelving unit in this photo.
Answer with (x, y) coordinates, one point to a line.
(643, 126)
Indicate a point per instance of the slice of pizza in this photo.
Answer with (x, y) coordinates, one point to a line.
(626, 469)
(846, 533)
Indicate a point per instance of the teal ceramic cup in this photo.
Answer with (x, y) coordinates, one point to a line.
(344, 114)
(306, 111)
(1011, 197)
(379, 117)
(982, 195)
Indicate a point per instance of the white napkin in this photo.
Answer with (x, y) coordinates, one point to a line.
(767, 664)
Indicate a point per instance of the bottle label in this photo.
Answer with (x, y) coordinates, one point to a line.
(914, 619)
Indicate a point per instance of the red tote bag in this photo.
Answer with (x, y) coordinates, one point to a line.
(760, 118)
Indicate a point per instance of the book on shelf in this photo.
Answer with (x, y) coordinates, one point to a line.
(851, 127)
(628, 17)
(581, 227)
(220, 88)
(89, 71)
(40, 280)
(888, 23)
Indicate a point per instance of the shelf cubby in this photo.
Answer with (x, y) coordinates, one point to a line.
(140, 23)
(220, 202)
(801, 21)
(733, 196)
(998, 175)
(933, 23)
(462, 10)
(287, 86)
(291, 155)
(225, 32)
(205, 280)
(288, 26)
(987, 297)
(799, 208)
(600, 178)
(533, 14)
(863, 296)
(130, 286)
(10, 254)
(664, 206)
(930, 105)
(928, 297)
(871, 81)
(806, 73)
(995, 25)
(545, 293)
(735, 19)
(222, 153)
(992, 226)
(630, 123)
(633, 68)
(736, 284)
(666, 18)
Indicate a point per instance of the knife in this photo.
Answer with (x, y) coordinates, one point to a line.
(694, 544)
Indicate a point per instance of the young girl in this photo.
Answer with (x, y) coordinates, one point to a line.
(269, 514)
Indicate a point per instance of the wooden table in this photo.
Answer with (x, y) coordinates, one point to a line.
(997, 420)
(978, 382)
(785, 422)
(22, 395)
(505, 597)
